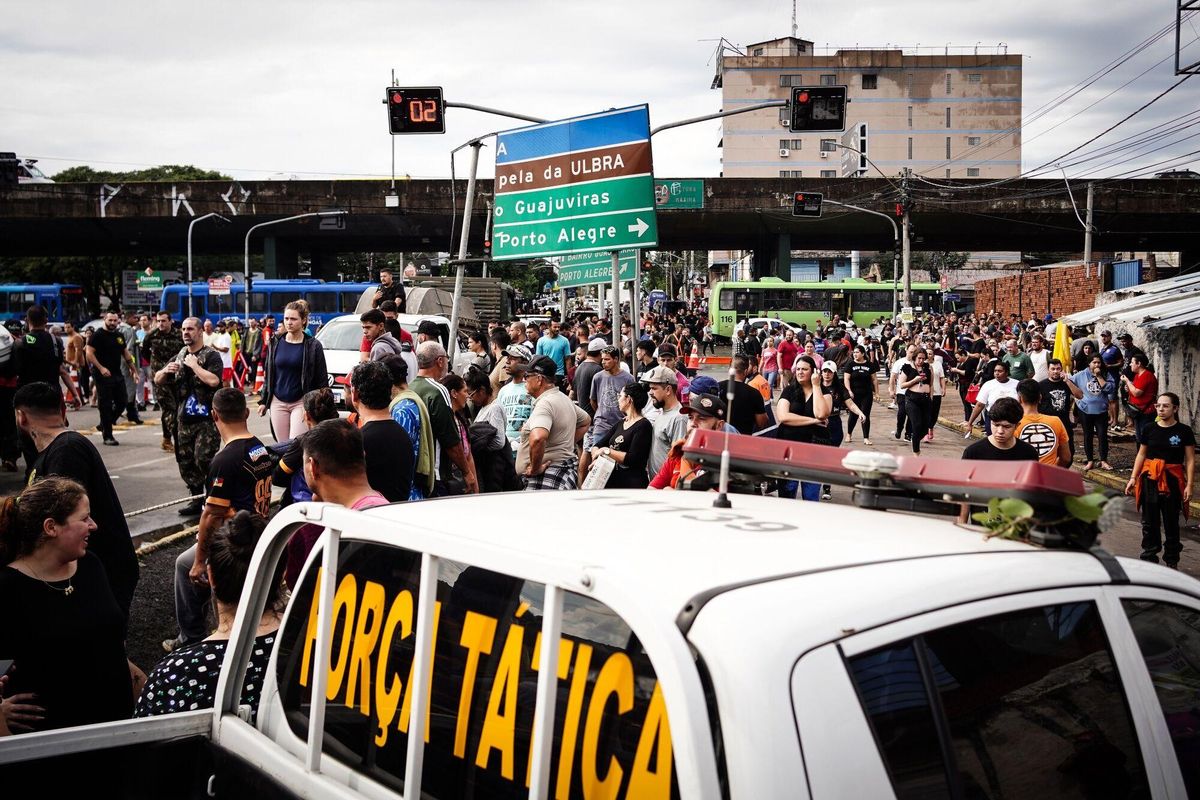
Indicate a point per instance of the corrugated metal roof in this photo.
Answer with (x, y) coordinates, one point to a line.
(1161, 304)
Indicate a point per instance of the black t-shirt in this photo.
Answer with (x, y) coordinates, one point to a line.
(68, 649)
(634, 442)
(583, 384)
(984, 450)
(797, 404)
(72, 455)
(38, 356)
(1168, 443)
(838, 354)
(862, 377)
(1056, 399)
(747, 404)
(837, 391)
(109, 347)
(753, 347)
(918, 389)
(239, 478)
(389, 454)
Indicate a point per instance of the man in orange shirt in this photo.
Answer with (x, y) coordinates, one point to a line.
(1044, 432)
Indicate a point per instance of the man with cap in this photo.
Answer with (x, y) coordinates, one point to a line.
(1114, 361)
(428, 331)
(749, 413)
(668, 358)
(581, 385)
(514, 397)
(670, 424)
(546, 457)
(704, 412)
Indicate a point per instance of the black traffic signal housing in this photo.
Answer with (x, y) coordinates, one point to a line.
(818, 108)
(806, 204)
(415, 109)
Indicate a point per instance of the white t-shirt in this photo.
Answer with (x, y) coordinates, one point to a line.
(939, 378)
(224, 340)
(993, 390)
(897, 370)
(1041, 369)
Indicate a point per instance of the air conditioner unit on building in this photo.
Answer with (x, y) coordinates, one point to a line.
(784, 152)
(824, 154)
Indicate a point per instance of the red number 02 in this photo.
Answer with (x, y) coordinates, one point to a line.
(422, 110)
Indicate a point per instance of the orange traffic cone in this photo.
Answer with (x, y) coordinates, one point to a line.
(258, 380)
(693, 362)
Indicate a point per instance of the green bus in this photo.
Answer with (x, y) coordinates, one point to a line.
(807, 302)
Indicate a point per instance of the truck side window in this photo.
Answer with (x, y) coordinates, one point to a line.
(611, 734)
(1169, 637)
(1022, 704)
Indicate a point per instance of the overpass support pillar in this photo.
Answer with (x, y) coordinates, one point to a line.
(773, 257)
(280, 258)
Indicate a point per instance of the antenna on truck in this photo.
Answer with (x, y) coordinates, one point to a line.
(722, 500)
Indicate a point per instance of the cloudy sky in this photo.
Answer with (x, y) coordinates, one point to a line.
(257, 87)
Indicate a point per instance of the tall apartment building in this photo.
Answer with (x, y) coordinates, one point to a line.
(943, 116)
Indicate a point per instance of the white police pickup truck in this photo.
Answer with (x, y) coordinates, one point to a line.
(647, 644)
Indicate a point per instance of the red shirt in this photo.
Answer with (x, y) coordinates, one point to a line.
(1147, 383)
(787, 354)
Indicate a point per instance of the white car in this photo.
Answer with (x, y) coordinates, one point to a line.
(28, 173)
(341, 339)
(777, 326)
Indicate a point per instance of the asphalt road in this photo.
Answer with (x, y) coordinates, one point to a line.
(143, 474)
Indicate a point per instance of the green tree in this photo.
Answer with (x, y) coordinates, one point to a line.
(937, 261)
(165, 172)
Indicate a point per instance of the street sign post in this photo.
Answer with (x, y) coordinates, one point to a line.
(679, 194)
(579, 185)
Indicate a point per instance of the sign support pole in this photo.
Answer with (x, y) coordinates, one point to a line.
(616, 299)
(635, 308)
(468, 207)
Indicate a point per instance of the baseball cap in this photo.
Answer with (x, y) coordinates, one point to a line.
(666, 350)
(538, 365)
(829, 366)
(517, 351)
(596, 345)
(429, 328)
(1106, 333)
(702, 384)
(1125, 337)
(660, 375)
(706, 405)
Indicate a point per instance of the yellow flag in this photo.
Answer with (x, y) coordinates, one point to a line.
(1062, 345)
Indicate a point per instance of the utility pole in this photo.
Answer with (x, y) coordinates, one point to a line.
(906, 203)
(1087, 233)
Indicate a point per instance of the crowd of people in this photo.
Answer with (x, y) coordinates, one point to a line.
(539, 407)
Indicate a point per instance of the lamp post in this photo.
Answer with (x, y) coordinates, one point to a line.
(246, 262)
(191, 225)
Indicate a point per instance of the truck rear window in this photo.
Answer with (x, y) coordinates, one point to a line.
(611, 733)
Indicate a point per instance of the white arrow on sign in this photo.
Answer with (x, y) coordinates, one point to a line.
(640, 227)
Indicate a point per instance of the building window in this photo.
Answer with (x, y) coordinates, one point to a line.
(972, 172)
(974, 77)
(947, 83)
(870, 81)
(973, 141)
(829, 173)
(790, 144)
(785, 116)
(791, 80)
(947, 116)
(828, 145)
(910, 148)
(803, 47)
(947, 147)
(828, 80)
(910, 116)
(908, 82)
(758, 51)
(791, 173)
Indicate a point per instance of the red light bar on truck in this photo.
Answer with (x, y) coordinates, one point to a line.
(943, 479)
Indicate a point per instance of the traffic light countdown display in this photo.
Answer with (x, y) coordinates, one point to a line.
(415, 109)
(806, 204)
(818, 108)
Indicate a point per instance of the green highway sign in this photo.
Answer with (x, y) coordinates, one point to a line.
(578, 185)
(587, 269)
(679, 194)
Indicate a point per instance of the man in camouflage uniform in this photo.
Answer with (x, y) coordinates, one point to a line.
(193, 376)
(160, 346)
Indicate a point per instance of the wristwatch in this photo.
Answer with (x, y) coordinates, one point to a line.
(605, 451)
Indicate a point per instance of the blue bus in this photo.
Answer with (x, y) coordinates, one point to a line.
(62, 301)
(267, 296)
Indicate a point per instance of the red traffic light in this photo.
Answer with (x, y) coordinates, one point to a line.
(397, 98)
(802, 97)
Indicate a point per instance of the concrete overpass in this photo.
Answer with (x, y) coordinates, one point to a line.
(739, 213)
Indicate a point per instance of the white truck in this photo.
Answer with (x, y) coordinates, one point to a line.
(647, 644)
